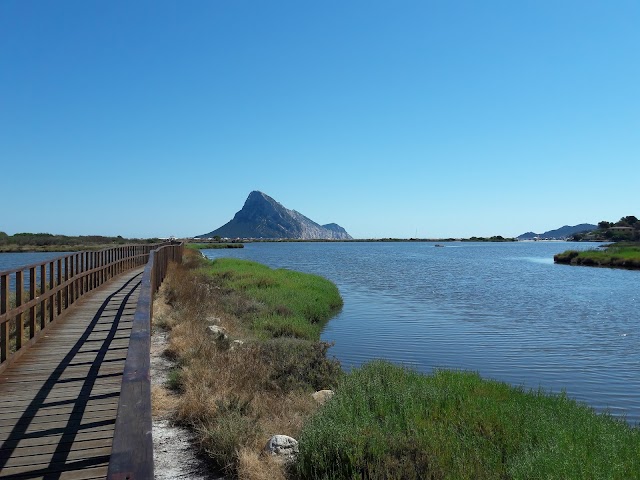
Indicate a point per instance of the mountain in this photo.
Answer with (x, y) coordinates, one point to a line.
(561, 233)
(263, 217)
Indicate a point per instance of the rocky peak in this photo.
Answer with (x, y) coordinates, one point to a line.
(263, 217)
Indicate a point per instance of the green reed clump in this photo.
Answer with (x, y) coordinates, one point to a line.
(277, 303)
(386, 421)
(621, 255)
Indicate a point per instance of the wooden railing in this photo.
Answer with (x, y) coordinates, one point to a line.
(132, 448)
(34, 296)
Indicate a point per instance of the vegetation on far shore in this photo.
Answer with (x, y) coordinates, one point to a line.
(617, 255)
(627, 229)
(47, 242)
(214, 245)
(495, 238)
(384, 421)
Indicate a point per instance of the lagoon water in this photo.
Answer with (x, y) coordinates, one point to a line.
(10, 261)
(502, 309)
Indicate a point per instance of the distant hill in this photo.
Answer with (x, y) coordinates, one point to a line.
(263, 217)
(561, 233)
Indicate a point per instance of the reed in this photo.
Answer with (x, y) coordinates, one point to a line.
(617, 255)
(279, 303)
(386, 421)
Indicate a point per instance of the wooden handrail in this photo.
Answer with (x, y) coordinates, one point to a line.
(52, 287)
(132, 448)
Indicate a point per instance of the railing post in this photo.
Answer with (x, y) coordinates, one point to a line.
(76, 282)
(52, 299)
(99, 273)
(87, 267)
(93, 274)
(66, 277)
(59, 282)
(43, 289)
(110, 263)
(20, 317)
(32, 296)
(4, 327)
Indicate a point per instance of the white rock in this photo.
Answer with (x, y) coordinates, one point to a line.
(218, 332)
(282, 446)
(322, 396)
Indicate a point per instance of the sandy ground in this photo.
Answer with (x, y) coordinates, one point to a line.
(173, 450)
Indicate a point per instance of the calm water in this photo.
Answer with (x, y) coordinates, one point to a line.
(10, 261)
(504, 310)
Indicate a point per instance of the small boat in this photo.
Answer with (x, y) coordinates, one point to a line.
(438, 245)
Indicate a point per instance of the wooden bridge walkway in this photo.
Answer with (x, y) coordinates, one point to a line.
(75, 393)
(60, 398)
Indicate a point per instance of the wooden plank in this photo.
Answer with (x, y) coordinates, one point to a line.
(58, 410)
(56, 436)
(44, 459)
(49, 442)
(44, 421)
(80, 467)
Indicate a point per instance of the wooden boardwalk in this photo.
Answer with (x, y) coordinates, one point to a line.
(58, 402)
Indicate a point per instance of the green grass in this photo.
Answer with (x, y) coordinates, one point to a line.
(278, 303)
(620, 255)
(389, 422)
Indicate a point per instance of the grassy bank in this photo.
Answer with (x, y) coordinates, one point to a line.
(617, 255)
(389, 422)
(285, 303)
(234, 395)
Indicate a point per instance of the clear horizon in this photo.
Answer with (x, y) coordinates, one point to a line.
(413, 119)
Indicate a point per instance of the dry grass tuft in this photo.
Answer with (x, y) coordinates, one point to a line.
(163, 402)
(255, 466)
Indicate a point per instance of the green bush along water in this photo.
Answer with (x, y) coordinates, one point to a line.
(621, 255)
(286, 303)
(387, 421)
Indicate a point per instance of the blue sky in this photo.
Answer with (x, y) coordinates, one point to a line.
(404, 118)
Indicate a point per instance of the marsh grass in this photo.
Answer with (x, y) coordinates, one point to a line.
(386, 421)
(620, 255)
(283, 303)
(236, 398)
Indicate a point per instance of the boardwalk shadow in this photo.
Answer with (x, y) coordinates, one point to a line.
(116, 305)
